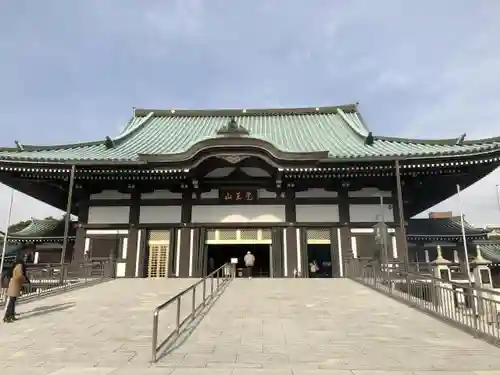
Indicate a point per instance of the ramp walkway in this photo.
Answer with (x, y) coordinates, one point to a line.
(325, 326)
(259, 326)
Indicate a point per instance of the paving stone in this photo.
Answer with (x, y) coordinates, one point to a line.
(280, 326)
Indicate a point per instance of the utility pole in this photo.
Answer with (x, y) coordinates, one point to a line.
(67, 219)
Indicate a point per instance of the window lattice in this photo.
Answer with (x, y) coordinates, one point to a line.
(211, 235)
(266, 234)
(158, 258)
(158, 245)
(249, 234)
(227, 234)
(319, 234)
(159, 235)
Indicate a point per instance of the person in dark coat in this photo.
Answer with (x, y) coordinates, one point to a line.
(4, 280)
(18, 278)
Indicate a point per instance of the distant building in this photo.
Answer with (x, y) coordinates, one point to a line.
(440, 215)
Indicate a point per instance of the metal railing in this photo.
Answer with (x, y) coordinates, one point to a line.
(48, 279)
(474, 309)
(218, 279)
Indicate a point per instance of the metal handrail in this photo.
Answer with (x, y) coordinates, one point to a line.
(428, 276)
(218, 275)
(474, 309)
(45, 281)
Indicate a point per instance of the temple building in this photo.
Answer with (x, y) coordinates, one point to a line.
(42, 241)
(181, 191)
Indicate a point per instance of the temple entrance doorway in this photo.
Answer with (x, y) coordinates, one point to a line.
(320, 252)
(321, 255)
(224, 244)
(221, 254)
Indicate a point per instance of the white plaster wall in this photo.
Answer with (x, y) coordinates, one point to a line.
(316, 193)
(263, 193)
(238, 214)
(110, 194)
(161, 194)
(312, 213)
(214, 193)
(369, 192)
(105, 232)
(120, 269)
(370, 213)
(369, 230)
(160, 214)
(109, 215)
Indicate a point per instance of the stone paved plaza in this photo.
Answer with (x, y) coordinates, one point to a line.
(280, 326)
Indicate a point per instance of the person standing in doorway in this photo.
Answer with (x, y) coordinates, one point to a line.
(249, 260)
(313, 269)
(19, 277)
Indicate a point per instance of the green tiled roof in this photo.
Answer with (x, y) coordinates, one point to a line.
(490, 251)
(441, 227)
(39, 229)
(340, 131)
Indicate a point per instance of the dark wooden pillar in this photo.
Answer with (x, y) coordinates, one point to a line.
(397, 228)
(334, 253)
(277, 252)
(142, 242)
(185, 235)
(304, 255)
(173, 235)
(83, 214)
(133, 230)
(199, 259)
(345, 229)
(290, 245)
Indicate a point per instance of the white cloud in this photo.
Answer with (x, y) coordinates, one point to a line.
(417, 73)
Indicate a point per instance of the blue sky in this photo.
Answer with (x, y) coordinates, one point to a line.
(73, 70)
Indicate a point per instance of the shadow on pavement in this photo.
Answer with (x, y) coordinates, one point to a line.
(43, 310)
(189, 328)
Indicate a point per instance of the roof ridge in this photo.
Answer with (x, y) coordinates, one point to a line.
(229, 112)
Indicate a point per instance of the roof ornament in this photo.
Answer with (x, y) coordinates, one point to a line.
(460, 139)
(232, 129)
(109, 143)
(19, 146)
(369, 139)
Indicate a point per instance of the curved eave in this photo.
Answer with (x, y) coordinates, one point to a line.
(444, 142)
(490, 152)
(446, 237)
(39, 239)
(234, 145)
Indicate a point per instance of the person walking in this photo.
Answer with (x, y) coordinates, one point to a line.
(249, 260)
(19, 277)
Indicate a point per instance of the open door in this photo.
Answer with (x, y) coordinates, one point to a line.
(276, 269)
